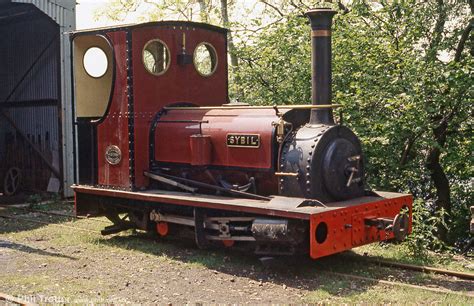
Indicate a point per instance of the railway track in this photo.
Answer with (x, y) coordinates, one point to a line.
(52, 213)
(390, 264)
(400, 284)
(11, 300)
(411, 267)
(48, 213)
(386, 263)
(48, 223)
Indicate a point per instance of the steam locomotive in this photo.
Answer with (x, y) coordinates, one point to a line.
(160, 148)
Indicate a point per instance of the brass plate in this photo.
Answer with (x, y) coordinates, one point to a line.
(113, 155)
(243, 140)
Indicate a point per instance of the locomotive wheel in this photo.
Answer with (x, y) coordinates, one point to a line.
(12, 181)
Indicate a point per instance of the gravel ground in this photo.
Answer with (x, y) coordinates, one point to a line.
(48, 263)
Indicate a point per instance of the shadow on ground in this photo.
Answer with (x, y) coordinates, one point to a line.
(15, 218)
(292, 271)
(27, 249)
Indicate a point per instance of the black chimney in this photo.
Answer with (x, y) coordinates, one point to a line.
(321, 92)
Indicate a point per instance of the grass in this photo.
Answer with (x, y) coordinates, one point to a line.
(401, 253)
(90, 266)
(335, 291)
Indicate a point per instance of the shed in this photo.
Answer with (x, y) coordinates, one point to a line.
(36, 130)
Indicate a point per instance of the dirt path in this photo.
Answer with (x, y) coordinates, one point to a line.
(55, 264)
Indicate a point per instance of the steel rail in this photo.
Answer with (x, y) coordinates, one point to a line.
(399, 284)
(52, 213)
(14, 300)
(386, 263)
(49, 223)
(424, 269)
(66, 215)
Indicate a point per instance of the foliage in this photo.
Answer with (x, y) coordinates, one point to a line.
(425, 223)
(275, 66)
(395, 73)
(152, 10)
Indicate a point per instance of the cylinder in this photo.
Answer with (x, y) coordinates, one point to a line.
(321, 92)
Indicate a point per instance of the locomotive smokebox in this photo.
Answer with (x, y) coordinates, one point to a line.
(321, 93)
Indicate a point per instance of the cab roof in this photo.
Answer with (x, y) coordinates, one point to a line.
(170, 23)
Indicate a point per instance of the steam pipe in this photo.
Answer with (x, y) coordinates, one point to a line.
(321, 76)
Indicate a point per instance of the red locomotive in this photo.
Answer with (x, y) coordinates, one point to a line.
(159, 141)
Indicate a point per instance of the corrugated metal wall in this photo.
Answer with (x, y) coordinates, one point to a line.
(32, 46)
(48, 124)
(36, 123)
(63, 13)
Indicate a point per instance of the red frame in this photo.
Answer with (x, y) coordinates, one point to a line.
(341, 238)
(336, 215)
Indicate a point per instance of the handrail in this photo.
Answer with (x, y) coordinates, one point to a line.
(303, 106)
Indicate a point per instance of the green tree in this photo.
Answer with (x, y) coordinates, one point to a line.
(207, 11)
(403, 70)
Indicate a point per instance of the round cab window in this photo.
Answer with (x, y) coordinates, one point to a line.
(205, 59)
(95, 62)
(156, 57)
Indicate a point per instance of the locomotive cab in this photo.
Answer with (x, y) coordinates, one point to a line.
(124, 76)
(159, 141)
